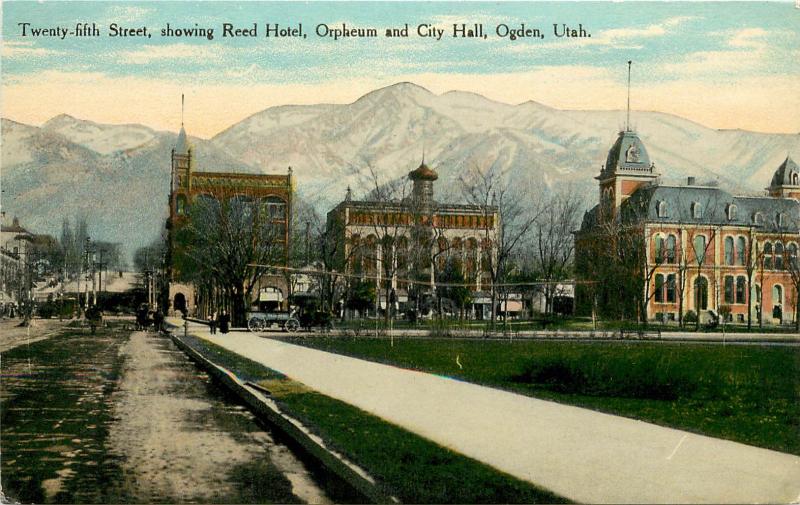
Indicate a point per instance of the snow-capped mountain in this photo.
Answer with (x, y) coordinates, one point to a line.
(119, 174)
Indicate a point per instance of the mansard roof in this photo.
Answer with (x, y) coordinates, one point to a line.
(715, 205)
(627, 155)
(786, 174)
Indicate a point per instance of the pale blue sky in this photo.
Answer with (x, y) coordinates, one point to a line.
(728, 65)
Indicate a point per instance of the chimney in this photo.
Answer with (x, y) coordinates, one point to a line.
(690, 181)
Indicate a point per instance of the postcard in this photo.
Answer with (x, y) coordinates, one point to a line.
(425, 252)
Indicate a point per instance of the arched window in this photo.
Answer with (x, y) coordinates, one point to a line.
(659, 289)
(697, 210)
(728, 289)
(671, 254)
(795, 179)
(778, 255)
(731, 212)
(741, 250)
(777, 294)
(729, 252)
(659, 246)
(180, 205)
(671, 288)
(791, 249)
(741, 283)
(700, 294)
(699, 248)
(758, 219)
(779, 219)
(662, 209)
(768, 255)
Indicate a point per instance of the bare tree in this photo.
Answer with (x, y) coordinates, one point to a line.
(553, 244)
(790, 263)
(492, 194)
(230, 242)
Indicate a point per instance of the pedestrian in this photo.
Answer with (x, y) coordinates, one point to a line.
(158, 320)
(224, 322)
(212, 323)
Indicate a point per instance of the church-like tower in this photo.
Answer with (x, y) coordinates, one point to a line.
(627, 168)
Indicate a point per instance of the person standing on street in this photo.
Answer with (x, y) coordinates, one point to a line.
(224, 322)
(212, 323)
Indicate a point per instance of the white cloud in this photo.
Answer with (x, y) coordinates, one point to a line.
(27, 50)
(126, 14)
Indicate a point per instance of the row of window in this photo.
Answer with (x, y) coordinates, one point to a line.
(696, 210)
(735, 251)
(735, 290)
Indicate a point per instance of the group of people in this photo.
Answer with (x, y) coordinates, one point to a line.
(145, 317)
(223, 321)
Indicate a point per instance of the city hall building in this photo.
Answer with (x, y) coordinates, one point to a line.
(672, 249)
(274, 195)
(412, 240)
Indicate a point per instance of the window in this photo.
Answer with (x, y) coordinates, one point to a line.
(729, 252)
(779, 219)
(659, 240)
(697, 210)
(794, 179)
(741, 251)
(700, 248)
(659, 294)
(758, 219)
(778, 256)
(768, 256)
(777, 294)
(671, 285)
(740, 289)
(728, 289)
(275, 208)
(700, 294)
(731, 212)
(792, 250)
(180, 205)
(662, 209)
(671, 249)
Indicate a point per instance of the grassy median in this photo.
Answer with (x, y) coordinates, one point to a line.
(405, 465)
(749, 394)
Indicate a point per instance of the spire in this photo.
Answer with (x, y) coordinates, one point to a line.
(628, 120)
(349, 195)
(182, 110)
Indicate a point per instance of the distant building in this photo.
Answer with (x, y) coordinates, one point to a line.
(415, 240)
(273, 192)
(687, 248)
(14, 245)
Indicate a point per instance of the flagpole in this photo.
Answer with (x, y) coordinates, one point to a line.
(628, 120)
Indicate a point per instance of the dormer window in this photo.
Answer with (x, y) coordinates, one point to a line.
(731, 212)
(697, 210)
(661, 209)
(758, 218)
(795, 178)
(779, 219)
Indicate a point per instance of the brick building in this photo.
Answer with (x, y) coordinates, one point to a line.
(272, 192)
(415, 238)
(670, 249)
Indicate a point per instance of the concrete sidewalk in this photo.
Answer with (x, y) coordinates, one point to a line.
(583, 455)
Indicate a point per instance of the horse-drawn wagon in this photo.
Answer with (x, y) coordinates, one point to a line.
(262, 321)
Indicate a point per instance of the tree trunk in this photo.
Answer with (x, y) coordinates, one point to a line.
(239, 312)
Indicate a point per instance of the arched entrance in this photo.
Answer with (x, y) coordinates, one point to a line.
(179, 303)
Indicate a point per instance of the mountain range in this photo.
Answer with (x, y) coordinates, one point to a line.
(118, 175)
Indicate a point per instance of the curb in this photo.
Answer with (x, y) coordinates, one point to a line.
(257, 399)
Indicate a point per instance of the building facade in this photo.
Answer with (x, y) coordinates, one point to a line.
(415, 242)
(659, 252)
(270, 193)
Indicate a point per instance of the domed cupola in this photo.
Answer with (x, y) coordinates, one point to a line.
(423, 177)
(786, 180)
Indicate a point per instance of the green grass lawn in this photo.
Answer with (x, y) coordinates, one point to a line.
(749, 394)
(405, 465)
